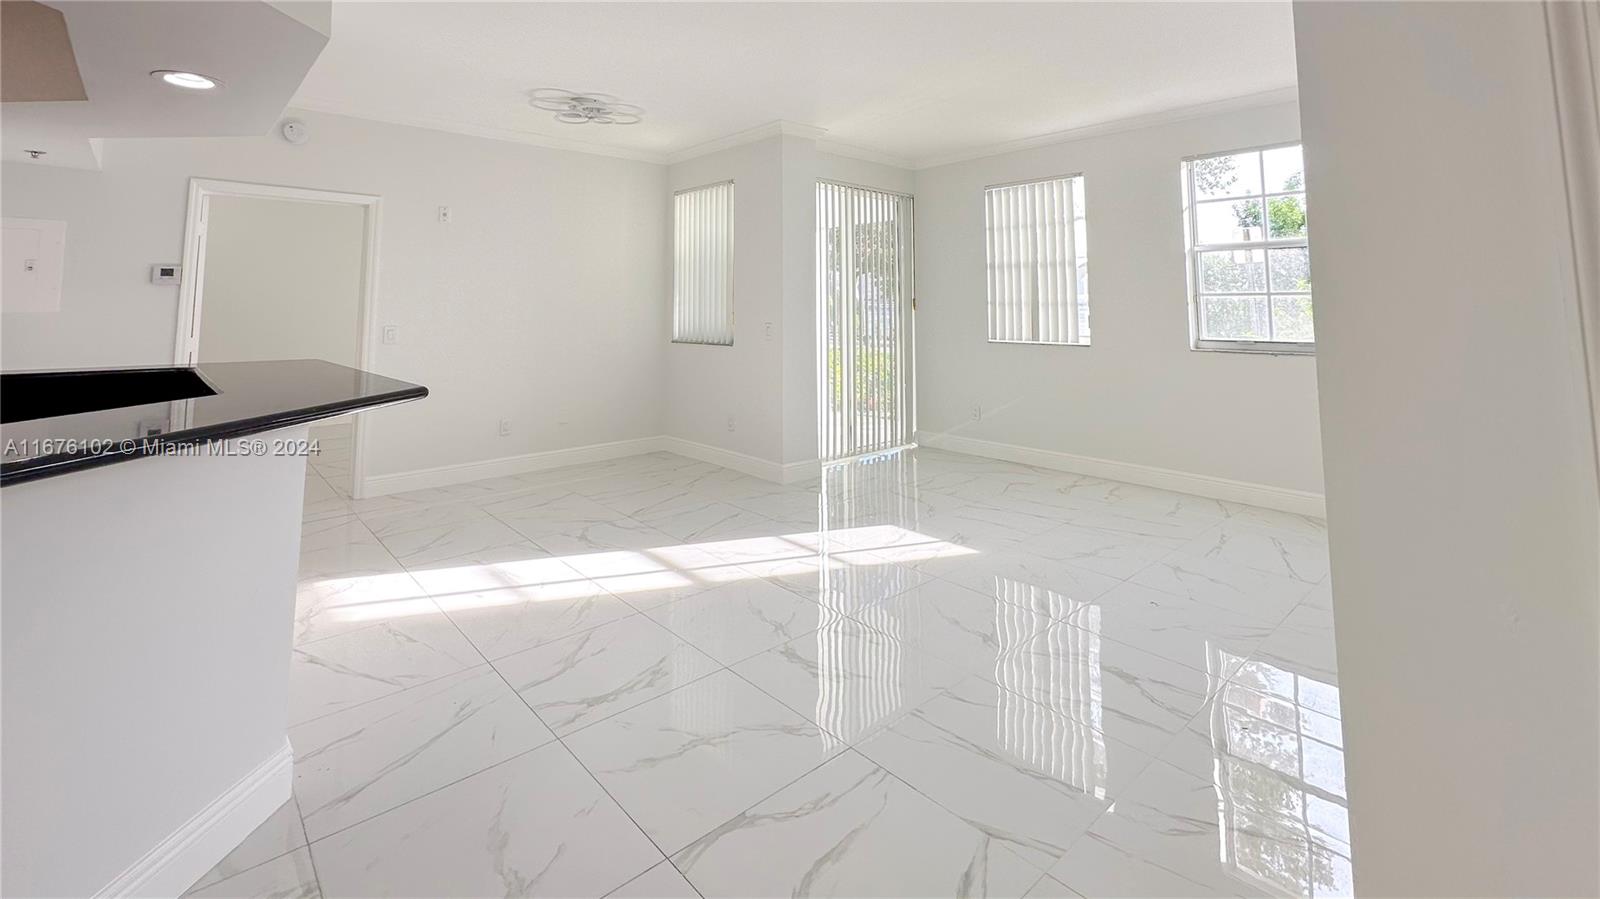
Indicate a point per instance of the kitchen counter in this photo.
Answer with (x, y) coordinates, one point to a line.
(147, 597)
(55, 422)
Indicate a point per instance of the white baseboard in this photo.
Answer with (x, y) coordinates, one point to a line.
(742, 462)
(445, 475)
(195, 848)
(1297, 501)
(794, 472)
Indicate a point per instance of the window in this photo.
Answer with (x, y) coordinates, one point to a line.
(1249, 257)
(1038, 262)
(702, 265)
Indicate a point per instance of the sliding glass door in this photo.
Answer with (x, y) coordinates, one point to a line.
(864, 299)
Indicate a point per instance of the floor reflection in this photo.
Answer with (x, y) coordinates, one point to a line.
(1057, 732)
(1062, 733)
(873, 490)
(865, 494)
(851, 705)
(1279, 774)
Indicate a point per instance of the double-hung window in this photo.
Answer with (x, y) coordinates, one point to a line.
(1038, 262)
(1249, 251)
(702, 265)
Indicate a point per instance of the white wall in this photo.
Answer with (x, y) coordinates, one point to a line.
(800, 162)
(850, 170)
(767, 384)
(282, 280)
(1462, 503)
(547, 299)
(1139, 394)
(706, 386)
(540, 302)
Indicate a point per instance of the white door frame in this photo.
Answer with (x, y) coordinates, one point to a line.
(190, 287)
(1573, 31)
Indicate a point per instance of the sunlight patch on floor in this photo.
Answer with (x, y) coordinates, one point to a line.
(623, 572)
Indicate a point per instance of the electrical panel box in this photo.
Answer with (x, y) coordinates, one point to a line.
(33, 255)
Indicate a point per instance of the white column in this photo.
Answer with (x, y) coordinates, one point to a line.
(1458, 448)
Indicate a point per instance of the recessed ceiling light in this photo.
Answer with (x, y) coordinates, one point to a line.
(193, 81)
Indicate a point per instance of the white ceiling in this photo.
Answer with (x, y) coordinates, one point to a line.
(260, 50)
(919, 82)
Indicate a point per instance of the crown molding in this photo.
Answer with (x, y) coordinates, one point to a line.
(313, 104)
(748, 136)
(782, 127)
(1275, 97)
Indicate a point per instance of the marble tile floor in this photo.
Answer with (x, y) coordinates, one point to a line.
(328, 472)
(924, 674)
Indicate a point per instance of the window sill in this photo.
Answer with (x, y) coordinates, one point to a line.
(1039, 343)
(1257, 349)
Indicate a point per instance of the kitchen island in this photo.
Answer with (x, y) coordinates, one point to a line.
(148, 559)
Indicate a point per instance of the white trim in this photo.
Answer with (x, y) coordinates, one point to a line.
(1284, 95)
(795, 472)
(1280, 96)
(1573, 31)
(191, 302)
(465, 472)
(185, 856)
(488, 132)
(754, 466)
(1299, 502)
(748, 136)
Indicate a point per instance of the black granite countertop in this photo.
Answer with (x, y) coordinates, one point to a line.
(57, 422)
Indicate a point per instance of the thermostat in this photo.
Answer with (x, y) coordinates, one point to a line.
(165, 273)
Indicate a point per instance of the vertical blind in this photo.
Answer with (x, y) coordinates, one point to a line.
(702, 265)
(1038, 274)
(864, 271)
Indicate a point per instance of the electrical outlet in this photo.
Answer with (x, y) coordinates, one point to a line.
(391, 335)
(731, 424)
(505, 427)
(444, 215)
(977, 413)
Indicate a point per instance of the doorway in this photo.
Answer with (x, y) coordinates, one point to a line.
(865, 298)
(283, 273)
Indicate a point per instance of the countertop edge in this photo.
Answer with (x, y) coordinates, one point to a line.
(40, 467)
